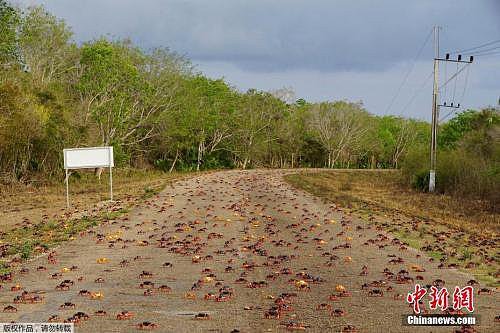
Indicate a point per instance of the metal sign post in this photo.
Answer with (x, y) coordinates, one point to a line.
(67, 188)
(111, 183)
(88, 158)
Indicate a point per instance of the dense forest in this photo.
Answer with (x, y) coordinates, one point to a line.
(157, 110)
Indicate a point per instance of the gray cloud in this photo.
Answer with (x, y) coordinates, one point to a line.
(254, 42)
(264, 35)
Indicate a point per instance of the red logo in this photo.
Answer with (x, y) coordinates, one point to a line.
(438, 298)
(415, 297)
(462, 298)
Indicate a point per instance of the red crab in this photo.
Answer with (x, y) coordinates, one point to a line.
(202, 316)
(146, 326)
(124, 315)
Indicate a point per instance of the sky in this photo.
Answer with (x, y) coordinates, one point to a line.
(359, 50)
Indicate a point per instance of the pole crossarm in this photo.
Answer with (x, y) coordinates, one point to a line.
(449, 106)
(451, 60)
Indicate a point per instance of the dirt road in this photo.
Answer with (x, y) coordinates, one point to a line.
(239, 239)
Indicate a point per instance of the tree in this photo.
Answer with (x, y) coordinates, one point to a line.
(21, 126)
(9, 24)
(214, 109)
(286, 94)
(482, 123)
(339, 127)
(45, 46)
(256, 114)
(394, 135)
(123, 90)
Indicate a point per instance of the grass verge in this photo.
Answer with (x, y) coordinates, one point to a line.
(39, 220)
(456, 232)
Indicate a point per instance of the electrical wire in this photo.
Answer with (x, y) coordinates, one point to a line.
(405, 79)
(443, 96)
(465, 85)
(455, 85)
(461, 98)
(483, 51)
(477, 51)
(417, 92)
(476, 47)
(455, 75)
(486, 54)
(447, 115)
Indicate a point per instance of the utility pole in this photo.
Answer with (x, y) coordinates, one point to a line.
(436, 105)
(435, 112)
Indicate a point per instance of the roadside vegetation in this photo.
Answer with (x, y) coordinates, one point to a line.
(468, 159)
(34, 218)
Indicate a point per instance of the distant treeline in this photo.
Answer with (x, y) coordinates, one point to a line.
(158, 111)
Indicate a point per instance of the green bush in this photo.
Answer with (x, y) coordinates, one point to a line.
(415, 168)
(420, 181)
(468, 165)
(459, 172)
(26, 250)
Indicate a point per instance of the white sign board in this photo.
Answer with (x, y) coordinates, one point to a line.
(93, 157)
(88, 158)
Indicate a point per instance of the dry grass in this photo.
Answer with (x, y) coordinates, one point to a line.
(383, 189)
(35, 219)
(470, 231)
(29, 203)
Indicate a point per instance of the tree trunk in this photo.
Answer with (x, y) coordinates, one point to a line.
(175, 160)
(98, 173)
(200, 153)
(245, 163)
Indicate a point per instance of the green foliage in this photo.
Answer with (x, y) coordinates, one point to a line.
(472, 123)
(4, 268)
(468, 161)
(455, 129)
(9, 22)
(415, 167)
(26, 249)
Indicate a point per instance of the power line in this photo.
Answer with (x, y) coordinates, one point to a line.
(461, 98)
(487, 54)
(455, 84)
(482, 51)
(435, 96)
(417, 92)
(453, 76)
(476, 47)
(465, 84)
(443, 96)
(405, 79)
(447, 115)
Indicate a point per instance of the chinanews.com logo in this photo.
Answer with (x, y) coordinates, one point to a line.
(458, 312)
